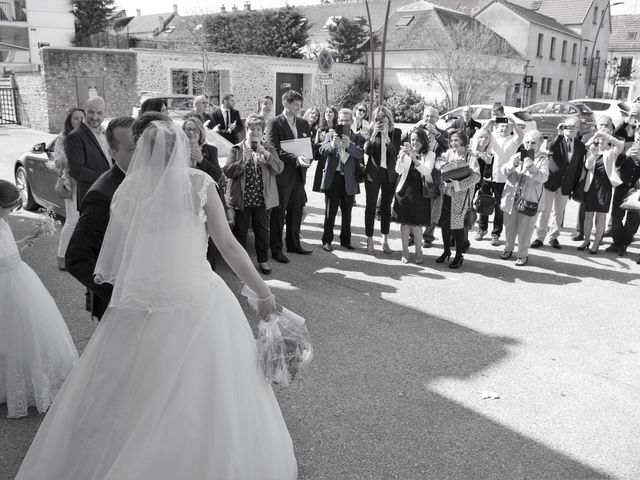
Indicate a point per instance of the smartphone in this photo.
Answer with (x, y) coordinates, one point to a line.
(502, 120)
(527, 154)
(339, 130)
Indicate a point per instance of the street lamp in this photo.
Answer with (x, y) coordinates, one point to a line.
(595, 41)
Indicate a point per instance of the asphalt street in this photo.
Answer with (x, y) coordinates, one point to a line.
(422, 372)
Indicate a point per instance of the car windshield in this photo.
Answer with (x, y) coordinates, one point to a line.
(483, 114)
(599, 106)
(583, 108)
(523, 115)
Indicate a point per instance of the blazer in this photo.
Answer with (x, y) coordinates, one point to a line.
(217, 118)
(356, 154)
(234, 170)
(278, 130)
(565, 172)
(210, 162)
(373, 150)
(86, 240)
(469, 128)
(86, 158)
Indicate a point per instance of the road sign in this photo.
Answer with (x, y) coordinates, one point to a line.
(325, 61)
(326, 81)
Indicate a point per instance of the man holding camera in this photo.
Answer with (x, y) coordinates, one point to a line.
(566, 161)
(343, 150)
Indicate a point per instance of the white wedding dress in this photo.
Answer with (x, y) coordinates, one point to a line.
(171, 391)
(36, 349)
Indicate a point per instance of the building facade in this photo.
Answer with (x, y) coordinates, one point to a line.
(623, 75)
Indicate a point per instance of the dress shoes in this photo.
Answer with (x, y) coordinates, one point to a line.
(495, 240)
(264, 268)
(555, 244)
(299, 251)
(347, 246)
(327, 247)
(536, 243)
(613, 248)
(577, 237)
(280, 257)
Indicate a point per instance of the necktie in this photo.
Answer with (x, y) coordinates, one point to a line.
(227, 119)
(569, 142)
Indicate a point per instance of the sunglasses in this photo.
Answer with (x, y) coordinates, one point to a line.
(364, 110)
(568, 127)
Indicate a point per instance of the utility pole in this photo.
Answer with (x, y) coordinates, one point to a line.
(372, 47)
(383, 52)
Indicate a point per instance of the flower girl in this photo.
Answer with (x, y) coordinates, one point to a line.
(36, 349)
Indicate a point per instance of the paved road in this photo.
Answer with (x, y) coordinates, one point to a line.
(404, 354)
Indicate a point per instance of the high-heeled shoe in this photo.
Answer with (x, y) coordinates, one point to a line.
(583, 246)
(445, 256)
(370, 249)
(457, 261)
(405, 259)
(385, 247)
(593, 251)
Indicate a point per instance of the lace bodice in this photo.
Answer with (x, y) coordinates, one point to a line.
(201, 182)
(9, 254)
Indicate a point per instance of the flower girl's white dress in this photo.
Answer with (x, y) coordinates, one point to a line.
(36, 349)
(171, 393)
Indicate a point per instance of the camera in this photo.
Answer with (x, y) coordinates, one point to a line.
(339, 130)
(502, 120)
(524, 154)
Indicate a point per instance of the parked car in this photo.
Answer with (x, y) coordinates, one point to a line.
(36, 176)
(548, 115)
(482, 113)
(177, 105)
(615, 109)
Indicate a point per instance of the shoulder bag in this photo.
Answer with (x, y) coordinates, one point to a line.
(632, 200)
(485, 203)
(523, 206)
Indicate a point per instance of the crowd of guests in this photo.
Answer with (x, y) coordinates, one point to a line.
(524, 179)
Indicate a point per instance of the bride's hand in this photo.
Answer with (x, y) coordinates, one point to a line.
(267, 306)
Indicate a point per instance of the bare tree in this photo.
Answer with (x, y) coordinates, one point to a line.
(469, 63)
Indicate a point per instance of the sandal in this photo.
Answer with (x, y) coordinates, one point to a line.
(521, 262)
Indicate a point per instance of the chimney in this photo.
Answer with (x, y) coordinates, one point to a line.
(223, 9)
(138, 12)
(175, 8)
(160, 24)
(234, 9)
(247, 5)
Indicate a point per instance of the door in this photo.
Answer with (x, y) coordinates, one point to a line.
(284, 83)
(89, 87)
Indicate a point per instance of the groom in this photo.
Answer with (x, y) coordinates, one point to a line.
(86, 240)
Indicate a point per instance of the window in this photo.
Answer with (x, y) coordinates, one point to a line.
(622, 93)
(574, 53)
(564, 51)
(180, 82)
(632, 35)
(543, 86)
(570, 92)
(595, 15)
(560, 82)
(626, 67)
(548, 92)
(584, 59)
(540, 39)
(552, 50)
(404, 21)
(195, 82)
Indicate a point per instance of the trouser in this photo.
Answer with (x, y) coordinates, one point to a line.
(554, 202)
(259, 217)
(70, 221)
(336, 196)
(581, 215)
(292, 199)
(447, 231)
(521, 226)
(624, 223)
(387, 191)
(496, 189)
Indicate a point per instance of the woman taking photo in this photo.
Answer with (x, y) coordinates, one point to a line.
(600, 177)
(328, 122)
(484, 156)
(525, 181)
(412, 204)
(74, 118)
(360, 124)
(252, 191)
(382, 149)
(456, 197)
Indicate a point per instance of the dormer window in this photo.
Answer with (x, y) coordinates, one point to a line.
(404, 20)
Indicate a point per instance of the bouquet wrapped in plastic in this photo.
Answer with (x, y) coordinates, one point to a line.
(284, 343)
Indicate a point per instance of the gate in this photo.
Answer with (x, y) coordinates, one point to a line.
(9, 111)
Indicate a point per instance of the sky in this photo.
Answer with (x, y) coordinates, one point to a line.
(186, 7)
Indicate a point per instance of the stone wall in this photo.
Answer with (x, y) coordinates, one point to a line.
(248, 77)
(31, 86)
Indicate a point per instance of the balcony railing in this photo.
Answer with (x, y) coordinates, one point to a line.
(13, 11)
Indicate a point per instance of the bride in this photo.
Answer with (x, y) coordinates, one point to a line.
(169, 385)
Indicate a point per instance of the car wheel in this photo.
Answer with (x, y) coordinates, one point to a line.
(22, 182)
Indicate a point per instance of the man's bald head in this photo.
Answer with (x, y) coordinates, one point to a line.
(95, 109)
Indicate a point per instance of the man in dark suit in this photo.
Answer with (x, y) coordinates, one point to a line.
(226, 120)
(87, 149)
(565, 167)
(339, 182)
(86, 240)
(288, 126)
(466, 123)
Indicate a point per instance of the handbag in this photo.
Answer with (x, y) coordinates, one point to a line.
(632, 200)
(430, 190)
(485, 203)
(526, 207)
(61, 189)
(455, 170)
(360, 172)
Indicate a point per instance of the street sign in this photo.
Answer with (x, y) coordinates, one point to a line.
(528, 81)
(325, 78)
(325, 61)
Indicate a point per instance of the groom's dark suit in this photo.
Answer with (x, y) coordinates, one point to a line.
(86, 240)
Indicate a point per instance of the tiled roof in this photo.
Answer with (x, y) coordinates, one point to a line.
(566, 12)
(625, 32)
(147, 24)
(536, 17)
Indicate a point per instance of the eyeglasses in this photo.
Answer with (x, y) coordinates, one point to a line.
(363, 110)
(568, 127)
(191, 130)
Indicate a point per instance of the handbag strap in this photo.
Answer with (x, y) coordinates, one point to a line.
(466, 199)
